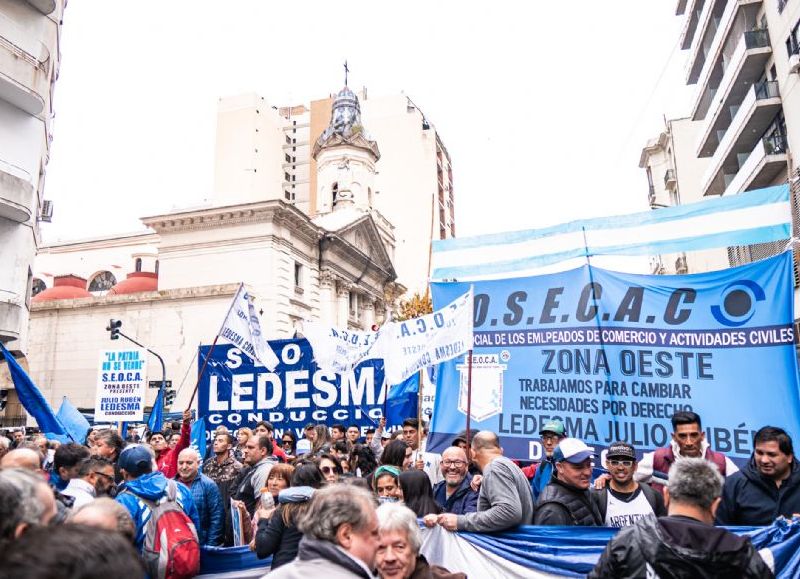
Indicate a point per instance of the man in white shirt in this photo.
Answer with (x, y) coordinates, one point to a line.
(95, 479)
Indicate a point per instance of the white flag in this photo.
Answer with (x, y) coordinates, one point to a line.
(340, 351)
(243, 329)
(420, 342)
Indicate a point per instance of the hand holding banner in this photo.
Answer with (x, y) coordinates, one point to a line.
(421, 342)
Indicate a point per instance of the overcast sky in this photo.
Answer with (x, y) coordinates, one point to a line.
(544, 106)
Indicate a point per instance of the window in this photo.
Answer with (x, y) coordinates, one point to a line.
(298, 275)
(288, 158)
(286, 177)
(792, 43)
(104, 281)
(138, 264)
(37, 286)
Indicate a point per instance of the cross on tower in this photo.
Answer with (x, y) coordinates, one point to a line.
(346, 70)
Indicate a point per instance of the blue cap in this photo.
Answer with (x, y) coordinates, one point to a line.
(135, 460)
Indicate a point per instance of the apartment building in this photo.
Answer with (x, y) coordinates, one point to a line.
(743, 58)
(29, 62)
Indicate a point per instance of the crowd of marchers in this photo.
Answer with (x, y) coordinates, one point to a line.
(347, 502)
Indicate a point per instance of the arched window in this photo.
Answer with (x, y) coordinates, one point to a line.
(138, 266)
(37, 286)
(334, 193)
(102, 282)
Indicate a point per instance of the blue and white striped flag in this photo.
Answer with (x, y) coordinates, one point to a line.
(759, 216)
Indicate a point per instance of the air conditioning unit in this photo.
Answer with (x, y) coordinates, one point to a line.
(46, 214)
(794, 63)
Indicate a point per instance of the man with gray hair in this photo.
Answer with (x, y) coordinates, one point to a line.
(340, 536)
(108, 514)
(25, 501)
(207, 498)
(398, 555)
(685, 543)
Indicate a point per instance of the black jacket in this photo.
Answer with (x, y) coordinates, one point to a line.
(563, 505)
(679, 548)
(751, 499)
(275, 538)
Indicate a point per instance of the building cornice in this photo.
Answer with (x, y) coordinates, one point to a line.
(123, 240)
(272, 211)
(197, 292)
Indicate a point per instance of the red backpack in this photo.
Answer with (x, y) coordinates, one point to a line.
(171, 548)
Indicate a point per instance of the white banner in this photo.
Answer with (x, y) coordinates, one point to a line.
(338, 350)
(421, 342)
(242, 328)
(121, 386)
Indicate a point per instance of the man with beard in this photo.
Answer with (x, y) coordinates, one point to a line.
(95, 479)
(566, 501)
(455, 494)
(623, 501)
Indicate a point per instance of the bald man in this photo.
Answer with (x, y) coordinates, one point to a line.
(455, 494)
(504, 501)
(105, 513)
(207, 499)
(25, 458)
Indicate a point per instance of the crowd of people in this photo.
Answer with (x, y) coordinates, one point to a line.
(347, 501)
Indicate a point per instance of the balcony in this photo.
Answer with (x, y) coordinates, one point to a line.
(716, 23)
(744, 68)
(757, 111)
(766, 163)
(694, 9)
(17, 193)
(25, 80)
(669, 180)
(681, 267)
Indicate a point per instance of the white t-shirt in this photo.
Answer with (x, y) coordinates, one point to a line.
(621, 513)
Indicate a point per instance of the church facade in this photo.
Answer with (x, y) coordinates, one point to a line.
(172, 286)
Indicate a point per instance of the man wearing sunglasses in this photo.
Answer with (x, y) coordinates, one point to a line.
(95, 478)
(624, 501)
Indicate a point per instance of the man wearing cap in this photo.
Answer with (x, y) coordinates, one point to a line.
(143, 483)
(624, 501)
(552, 432)
(566, 500)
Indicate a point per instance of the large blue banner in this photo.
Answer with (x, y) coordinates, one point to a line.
(236, 393)
(615, 355)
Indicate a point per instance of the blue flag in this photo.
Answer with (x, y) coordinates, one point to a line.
(31, 398)
(402, 401)
(156, 420)
(199, 437)
(73, 421)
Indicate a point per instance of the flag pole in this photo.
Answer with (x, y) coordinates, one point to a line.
(419, 415)
(213, 344)
(469, 394)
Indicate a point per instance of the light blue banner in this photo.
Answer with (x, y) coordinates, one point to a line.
(615, 355)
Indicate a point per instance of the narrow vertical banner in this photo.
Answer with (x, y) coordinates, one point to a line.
(121, 386)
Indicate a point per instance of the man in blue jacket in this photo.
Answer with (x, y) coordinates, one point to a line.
(455, 494)
(767, 487)
(144, 481)
(206, 496)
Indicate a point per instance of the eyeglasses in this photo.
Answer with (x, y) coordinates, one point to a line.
(625, 463)
(550, 438)
(105, 476)
(456, 463)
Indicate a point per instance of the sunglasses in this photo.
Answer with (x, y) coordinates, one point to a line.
(625, 463)
(105, 476)
(327, 470)
(285, 442)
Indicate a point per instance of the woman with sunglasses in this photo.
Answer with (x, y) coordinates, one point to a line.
(279, 535)
(289, 444)
(330, 468)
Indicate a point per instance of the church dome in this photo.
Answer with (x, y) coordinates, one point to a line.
(65, 287)
(345, 127)
(137, 281)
